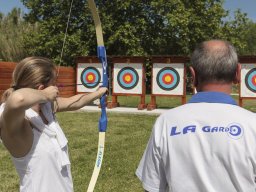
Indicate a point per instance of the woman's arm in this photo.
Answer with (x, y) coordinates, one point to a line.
(16, 131)
(21, 100)
(78, 101)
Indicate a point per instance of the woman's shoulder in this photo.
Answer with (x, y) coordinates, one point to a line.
(2, 105)
(1, 123)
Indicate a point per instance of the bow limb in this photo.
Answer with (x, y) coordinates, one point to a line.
(103, 119)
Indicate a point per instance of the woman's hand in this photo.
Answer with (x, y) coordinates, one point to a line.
(51, 93)
(102, 90)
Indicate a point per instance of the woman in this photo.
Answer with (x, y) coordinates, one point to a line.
(29, 130)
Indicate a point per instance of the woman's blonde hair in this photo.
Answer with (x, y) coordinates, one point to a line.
(31, 72)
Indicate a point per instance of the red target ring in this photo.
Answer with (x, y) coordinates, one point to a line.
(127, 78)
(254, 80)
(167, 79)
(90, 77)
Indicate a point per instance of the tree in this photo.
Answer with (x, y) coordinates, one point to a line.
(236, 31)
(51, 18)
(250, 38)
(131, 27)
(12, 30)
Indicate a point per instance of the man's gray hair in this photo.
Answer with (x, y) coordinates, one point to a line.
(215, 64)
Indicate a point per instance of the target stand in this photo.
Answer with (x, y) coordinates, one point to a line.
(89, 74)
(247, 89)
(167, 79)
(128, 79)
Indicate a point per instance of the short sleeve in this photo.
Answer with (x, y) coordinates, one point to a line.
(151, 168)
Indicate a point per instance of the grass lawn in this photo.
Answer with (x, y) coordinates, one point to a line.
(126, 139)
(171, 102)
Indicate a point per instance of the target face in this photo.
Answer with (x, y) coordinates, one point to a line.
(90, 77)
(250, 80)
(168, 78)
(127, 78)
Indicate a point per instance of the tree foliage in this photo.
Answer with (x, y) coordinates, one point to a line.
(52, 17)
(131, 27)
(250, 38)
(12, 30)
(236, 30)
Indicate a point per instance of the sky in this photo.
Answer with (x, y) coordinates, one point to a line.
(7, 5)
(247, 6)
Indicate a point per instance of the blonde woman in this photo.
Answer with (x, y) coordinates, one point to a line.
(29, 130)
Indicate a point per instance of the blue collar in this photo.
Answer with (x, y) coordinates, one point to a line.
(212, 97)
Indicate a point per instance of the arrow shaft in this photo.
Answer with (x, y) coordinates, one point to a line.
(72, 85)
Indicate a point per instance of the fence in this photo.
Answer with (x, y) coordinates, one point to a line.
(67, 76)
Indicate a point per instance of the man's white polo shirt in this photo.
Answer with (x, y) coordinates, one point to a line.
(207, 145)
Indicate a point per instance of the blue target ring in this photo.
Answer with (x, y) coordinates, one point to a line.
(250, 80)
(127, 78)
(168, 78)
(90, 77)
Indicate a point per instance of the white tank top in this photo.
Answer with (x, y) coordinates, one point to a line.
(46, 168)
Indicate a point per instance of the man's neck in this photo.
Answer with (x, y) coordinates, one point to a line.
(216, 87)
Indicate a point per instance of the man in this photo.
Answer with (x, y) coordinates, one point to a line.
(208, 144)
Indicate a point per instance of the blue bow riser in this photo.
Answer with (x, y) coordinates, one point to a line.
(103, 122)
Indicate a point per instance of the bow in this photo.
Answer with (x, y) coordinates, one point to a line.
(101, 51)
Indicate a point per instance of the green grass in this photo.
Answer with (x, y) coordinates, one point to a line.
(171, 102)
(162, 102)
(126, 139)
(8, 175)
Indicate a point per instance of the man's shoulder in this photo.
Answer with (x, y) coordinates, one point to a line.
(175, 113)
(191, 109)
(241, 110)
(179, 110)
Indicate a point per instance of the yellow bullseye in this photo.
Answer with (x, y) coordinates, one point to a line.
(90, 77)
(127, 78)
(168, 79)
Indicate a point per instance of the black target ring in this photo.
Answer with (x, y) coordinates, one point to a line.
(127, 78)
(90, 77)
(250, 80)
(168, 78)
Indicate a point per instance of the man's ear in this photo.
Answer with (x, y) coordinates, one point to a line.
(194, 79)
(238, 74)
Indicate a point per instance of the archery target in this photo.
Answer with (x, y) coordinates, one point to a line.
(248, 80)
(127, 78)
(88, 77)
(168, 79)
